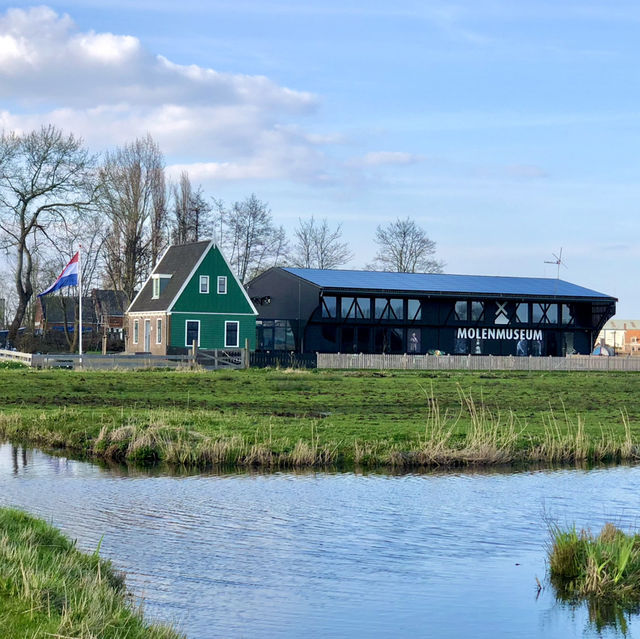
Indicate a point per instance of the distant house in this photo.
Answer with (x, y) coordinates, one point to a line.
(192, 295)
(622, 335)
(109, 308)
(102, 312)
(53, 312)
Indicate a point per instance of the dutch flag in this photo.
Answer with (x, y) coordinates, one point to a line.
(68, 277)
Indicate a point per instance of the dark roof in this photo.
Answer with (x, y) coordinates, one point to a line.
(112, 303)
(54, 312)
(438, 283)
(178, 261)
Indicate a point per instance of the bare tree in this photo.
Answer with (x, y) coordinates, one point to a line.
(45, 178)
(191, 212)
(159, 216)
(405, 247)
(132, 176)
(318, 246)
(250, 240)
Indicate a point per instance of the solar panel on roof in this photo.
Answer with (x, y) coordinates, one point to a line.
(441, 283)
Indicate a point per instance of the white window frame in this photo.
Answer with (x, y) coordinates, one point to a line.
(136, 330)
(185, 331)
(156, 288)
(222, 279)
(237, 344)
(204, 279)
(159, 330)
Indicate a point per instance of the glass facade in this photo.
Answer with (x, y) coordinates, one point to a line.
(275, 335)
(431, 325)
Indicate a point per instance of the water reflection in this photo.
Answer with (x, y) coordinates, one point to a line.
(604, 617)
(333, 554)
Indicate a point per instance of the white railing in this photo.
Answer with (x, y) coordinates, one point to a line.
(15, 356)
(478, 362)
(208, 359)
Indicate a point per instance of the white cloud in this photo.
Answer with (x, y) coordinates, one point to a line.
(109, 89)
(384, 158)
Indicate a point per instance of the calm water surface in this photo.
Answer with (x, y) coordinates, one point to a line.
(332, 555)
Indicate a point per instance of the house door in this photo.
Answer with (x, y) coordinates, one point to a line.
(147, 335)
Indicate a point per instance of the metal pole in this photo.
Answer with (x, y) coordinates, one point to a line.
(80, 301)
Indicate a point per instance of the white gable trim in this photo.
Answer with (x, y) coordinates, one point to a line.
(133, 301)
(188, 278)
(235, 277)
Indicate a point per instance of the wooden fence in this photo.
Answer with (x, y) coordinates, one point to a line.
(478, 362)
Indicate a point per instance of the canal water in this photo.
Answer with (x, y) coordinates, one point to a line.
(333, 554)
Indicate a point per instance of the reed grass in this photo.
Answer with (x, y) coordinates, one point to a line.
(473, 435)
(300, 419)
(50, 589)
(605, 566)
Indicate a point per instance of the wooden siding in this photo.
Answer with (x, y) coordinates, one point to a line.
(191, 300)
(212, 329)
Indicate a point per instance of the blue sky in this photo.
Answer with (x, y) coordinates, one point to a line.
(506, 129)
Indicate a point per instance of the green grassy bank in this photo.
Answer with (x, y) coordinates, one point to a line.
(276, 418)
(50, 589)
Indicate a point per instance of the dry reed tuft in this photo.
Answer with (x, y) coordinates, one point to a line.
(473, 434)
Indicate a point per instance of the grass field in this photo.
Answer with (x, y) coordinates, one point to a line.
(50, 589)
(280, 418)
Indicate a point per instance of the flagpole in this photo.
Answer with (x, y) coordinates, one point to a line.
(80, 299)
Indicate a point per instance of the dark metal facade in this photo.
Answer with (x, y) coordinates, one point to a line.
(298, 315)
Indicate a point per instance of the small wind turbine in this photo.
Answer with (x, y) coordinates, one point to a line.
(557, 261)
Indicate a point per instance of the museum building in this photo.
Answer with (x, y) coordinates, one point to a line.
(331, 311)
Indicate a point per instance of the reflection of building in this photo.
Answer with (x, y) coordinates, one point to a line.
(621, 335)
(313, 310)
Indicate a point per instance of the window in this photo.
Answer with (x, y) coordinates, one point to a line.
(388, 340)
(538, 313)
(159, 282)
(136, 330)
(522, 313)
(381, 308)
(158, 331)
(192, 332)
(329, 306)
(356, 308)
(397, 308)
(346, 306)
(545, 313)
(552, 313)
(204, 284)
(413, 309)
(461, 311)
(232, 334)
(567, 315)
(389, 309)
(477, 311)
(364, 307)
(222, 285)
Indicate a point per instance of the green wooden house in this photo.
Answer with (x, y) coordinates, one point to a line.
(192, 295)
